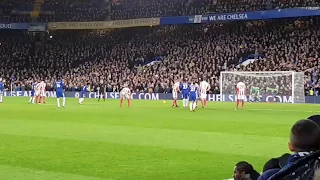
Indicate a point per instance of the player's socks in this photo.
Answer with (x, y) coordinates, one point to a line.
(44, 99)
(1, 99)
(121, 101)
(128, 102)
(194, 106)
(191, 106)
(205, 102)
(64, 101)
(58, 102)
(237, 103)
(242, 104)
(33, 99)
(30, 101)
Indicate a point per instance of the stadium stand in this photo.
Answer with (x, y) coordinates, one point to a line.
(79, 10)
(126, 9)
(177, 50)
(15, 11)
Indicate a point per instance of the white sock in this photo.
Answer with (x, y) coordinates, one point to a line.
(183, 102)
(191, 107)
(33, 99)
(30, 100)
(187, 102)
(0, 98)
(194, 105)
(81, 100)
(58, 102)
(64, 101)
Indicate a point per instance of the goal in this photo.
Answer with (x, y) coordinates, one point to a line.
(264, 86)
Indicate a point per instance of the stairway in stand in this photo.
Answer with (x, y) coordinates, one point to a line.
(36, 10)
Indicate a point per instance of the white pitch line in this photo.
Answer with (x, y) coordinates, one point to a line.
(279, 110)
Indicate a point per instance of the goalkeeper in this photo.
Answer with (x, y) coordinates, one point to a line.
(255, 94)
(273, 92)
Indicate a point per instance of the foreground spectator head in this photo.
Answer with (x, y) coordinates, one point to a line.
(315, 118)
(245, 171)
(276, 163)
(304, 137)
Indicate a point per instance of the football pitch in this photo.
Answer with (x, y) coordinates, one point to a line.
(148, 141)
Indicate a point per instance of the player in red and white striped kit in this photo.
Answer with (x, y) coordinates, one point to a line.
(37, 91)
(42, 92)
(125, 93)
(241, 94)
(175, 92)
(204, 88)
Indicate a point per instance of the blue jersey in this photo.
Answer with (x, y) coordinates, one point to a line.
(1, 86)
(83, 91)
(184, 88)
(33, 89)
(193, 89)
(59, 86)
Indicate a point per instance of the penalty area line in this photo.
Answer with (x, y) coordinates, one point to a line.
(280, 110)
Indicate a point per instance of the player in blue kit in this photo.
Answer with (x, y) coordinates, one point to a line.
(184, 88)
(1, 89)
(193, 90)
(33, 92)
(59, 87)
(83, 92)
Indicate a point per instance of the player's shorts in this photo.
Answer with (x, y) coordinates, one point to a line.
(185, 95)
(37, 93)
(59, 94)
(32, 93)
(203, 96)
(82, 95)
(124, 96)
(192, 97)
(241, 97)
(174, 94)
(42, 94)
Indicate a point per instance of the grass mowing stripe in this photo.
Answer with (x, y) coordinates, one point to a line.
(177, 139)
(116, 161)
(19, 173)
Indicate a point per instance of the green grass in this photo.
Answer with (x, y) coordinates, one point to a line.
(149, 141)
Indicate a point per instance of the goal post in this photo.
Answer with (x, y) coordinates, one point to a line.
(264, 86)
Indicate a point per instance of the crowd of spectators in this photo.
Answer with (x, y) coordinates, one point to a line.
(15, 11)
(74, 10)
(121, 56)
(126, 9)
(101, 10)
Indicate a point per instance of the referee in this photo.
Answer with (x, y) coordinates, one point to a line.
(102, 90)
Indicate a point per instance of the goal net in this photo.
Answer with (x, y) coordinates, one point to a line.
(269, 86)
